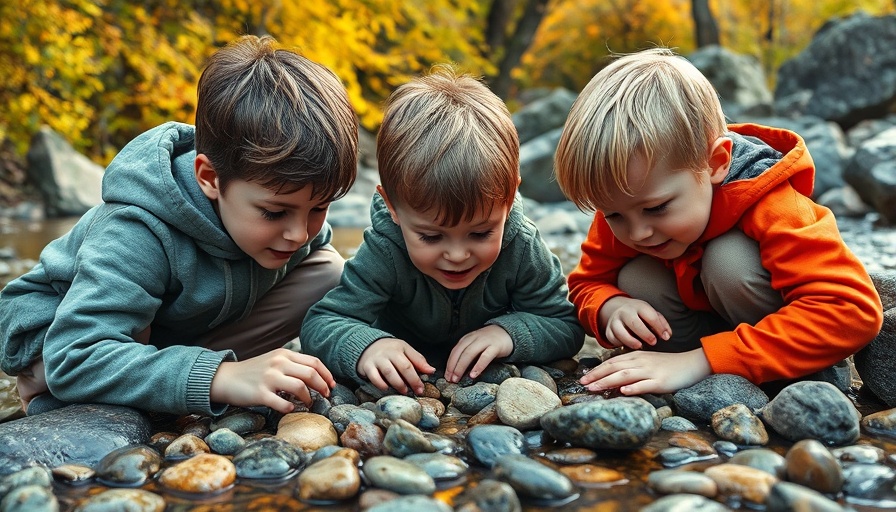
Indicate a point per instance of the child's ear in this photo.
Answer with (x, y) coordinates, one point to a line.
(206, 177)
(719, 159)
(379, 188)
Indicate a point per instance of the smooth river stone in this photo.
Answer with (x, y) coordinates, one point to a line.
(366, 438)
(415, 503)
(268, 458)
(685, 502)
(224, 441)
(882, 422)
(393, 474)
(715, 392)
(813, 410)
(403, 439)
(203, 473)
(589, 474)
(307, 430)
(76, 434)
(439, 466)
(129, 465)
(35, 475)
(675, 481)
(242, 422)
(618, 423)
(765, 459)
(333, 478)
(131, 500)
(522, 402)
(738, 424)
(185, 447)
(532, 478)
(811, 464)
(29, 498)
(749, 483)
(789, 497)
(488, 442)
(400, 407)
(489, 496)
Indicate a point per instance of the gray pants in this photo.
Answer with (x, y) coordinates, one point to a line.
(738, 287)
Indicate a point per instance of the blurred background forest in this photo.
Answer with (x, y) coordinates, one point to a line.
(100, 72)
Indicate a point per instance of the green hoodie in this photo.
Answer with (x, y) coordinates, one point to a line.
(383, 295)
(154, 253)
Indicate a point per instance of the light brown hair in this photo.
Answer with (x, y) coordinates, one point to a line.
(447, 144)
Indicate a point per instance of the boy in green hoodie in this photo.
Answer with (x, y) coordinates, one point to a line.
(450, 272)
(177, 293)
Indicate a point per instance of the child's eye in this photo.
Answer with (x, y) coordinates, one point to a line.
(485, 235)
(269, 215)
(611, 216)
(319, 209)
(429, 239)
(657, 209)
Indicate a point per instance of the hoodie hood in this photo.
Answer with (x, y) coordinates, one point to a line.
(155, 172)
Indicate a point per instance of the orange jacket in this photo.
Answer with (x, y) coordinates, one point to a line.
(831, 307)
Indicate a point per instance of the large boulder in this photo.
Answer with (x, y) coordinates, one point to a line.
(69, 182)
(739, 80)
(846, 74)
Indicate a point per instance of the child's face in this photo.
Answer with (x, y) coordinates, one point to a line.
(268, 226)
(668, 211)
(453, 256)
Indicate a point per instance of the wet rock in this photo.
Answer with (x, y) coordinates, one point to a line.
(738, 424)
(35, 475)
(787, 497)
(522, 402)
(539, 375)
(342, 415)
(811, 464)
(473, 399)
(715, 392)
(77, 434)
(812, 410)
(29, 498)
(202, 473)
(393, 474)
(881, 422)
(751, 484)
(268, 458)
(692, 441)
(675, 481)
(678, 456)
(72, 474)
(160, 440)
(439, 466)
(677, 424)
(486, 443)
(241, 421)
(682, 502)
(497, 373)
(591, 475)
(225, 441)
(185, 447)
(726, 448)
(764, 459)
(332, 478)
(366, 438)
(531, 478)
(341, 395)
(400, 407)
(132, 500)
(875, 363)
(410, 504)
(863, 453)
(871, 482)
(487, 416)
(489, 496)
(307, 430)
(403, 439)
(571, 455)
(432, 405)
(619, 423)
(129, 465)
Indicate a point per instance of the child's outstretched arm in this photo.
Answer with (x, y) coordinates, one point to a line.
(259, 380)
(640, 372)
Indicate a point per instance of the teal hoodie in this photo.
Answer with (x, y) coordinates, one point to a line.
(383, 295)
(153, 253)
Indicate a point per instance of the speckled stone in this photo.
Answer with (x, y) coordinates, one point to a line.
(202, 473)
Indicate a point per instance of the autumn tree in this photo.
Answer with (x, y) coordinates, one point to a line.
(706, 30)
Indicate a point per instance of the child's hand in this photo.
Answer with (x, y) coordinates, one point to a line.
(631, 321)
(486, 344)
(259, 380)
(392, 362)
(636, 373)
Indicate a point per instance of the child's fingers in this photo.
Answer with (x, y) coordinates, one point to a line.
(296, 388)
(311, 378)
(485, 358)
(393, 376)
(372, 374)
(659, 325)
(465, 356)
(620, 336)
(417, 359)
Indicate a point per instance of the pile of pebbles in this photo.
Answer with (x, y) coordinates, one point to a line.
(518, 438)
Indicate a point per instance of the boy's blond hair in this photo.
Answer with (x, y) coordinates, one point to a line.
(447, 144)
(653, 103)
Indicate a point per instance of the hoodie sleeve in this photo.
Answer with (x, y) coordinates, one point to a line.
(121, 274)
(594, 279)
(340, 326)
(831, 308)
(542, 322)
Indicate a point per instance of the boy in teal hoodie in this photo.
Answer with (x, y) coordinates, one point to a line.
(176, 293)
(450, 272)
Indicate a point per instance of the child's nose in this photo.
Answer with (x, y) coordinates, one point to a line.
(297, 232)
(456, 253)
(639, 231)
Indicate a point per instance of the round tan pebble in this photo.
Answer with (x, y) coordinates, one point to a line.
(202, 473)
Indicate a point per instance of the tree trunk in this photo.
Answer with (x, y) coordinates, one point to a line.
(519, 42)
(496, 25)
(705, 27)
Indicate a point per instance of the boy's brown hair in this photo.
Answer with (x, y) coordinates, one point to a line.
(447, 144)
(269, 115)
(653, 103)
